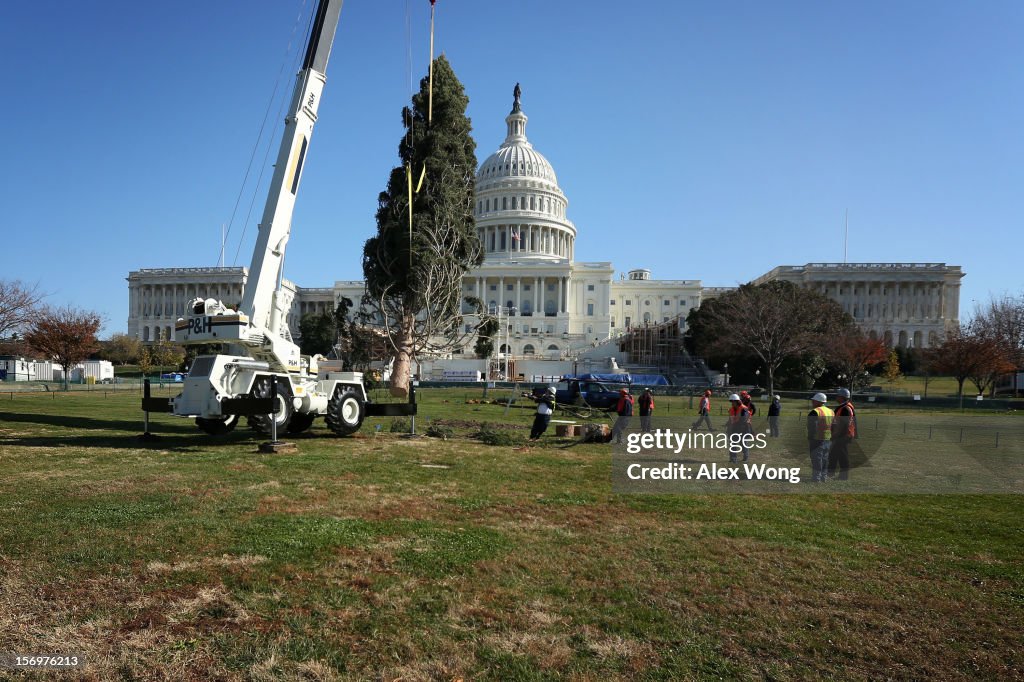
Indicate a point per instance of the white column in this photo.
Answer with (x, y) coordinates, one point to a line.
(538, 307)
(558, 302)
(519, 295)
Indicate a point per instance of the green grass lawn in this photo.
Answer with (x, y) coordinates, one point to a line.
(385, 557)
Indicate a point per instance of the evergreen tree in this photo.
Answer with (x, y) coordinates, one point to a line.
(414, 286)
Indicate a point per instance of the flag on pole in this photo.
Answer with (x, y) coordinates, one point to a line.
(515, 235)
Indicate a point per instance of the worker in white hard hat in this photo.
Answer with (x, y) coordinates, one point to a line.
(844, 429)
(737, 427)
(545, 407)
(819, 435)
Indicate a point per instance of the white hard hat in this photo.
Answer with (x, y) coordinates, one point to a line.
(734, 397)
(819, 398)
(552, 390)
(778, 398)
(844, 392)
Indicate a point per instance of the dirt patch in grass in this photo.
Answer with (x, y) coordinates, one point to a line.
(224, 561)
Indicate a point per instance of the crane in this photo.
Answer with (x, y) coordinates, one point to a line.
(263, 365)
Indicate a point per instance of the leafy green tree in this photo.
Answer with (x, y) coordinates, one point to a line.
(358, 342)
(166, 354)
(319, 332)
(121, 349)
(414, 276)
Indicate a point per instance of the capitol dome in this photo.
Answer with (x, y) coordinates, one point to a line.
(520, 209)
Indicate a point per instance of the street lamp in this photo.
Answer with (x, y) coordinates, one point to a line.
(497, 311)
(725, 367)
(757, 379)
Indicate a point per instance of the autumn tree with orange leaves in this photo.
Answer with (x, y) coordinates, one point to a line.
(852, 353)
(65, 335)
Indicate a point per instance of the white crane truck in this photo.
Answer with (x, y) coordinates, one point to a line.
(264, 376)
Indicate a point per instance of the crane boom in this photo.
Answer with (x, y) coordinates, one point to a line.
(259, 300)
(264, 376)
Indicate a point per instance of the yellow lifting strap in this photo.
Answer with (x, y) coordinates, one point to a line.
(430, 116)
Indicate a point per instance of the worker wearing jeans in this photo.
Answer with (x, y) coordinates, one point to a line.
(624, 408)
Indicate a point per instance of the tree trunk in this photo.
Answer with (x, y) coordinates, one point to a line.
(401, 368)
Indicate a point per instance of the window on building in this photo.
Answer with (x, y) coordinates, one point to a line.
(590, 310)
(504, 203)
(551, 287)
(628, 320)
(629, 302)
(528, 349)
(590, 287)
(611, 302)
(526, 287)
(647, 302)
(503, 247)
(667, 302)
(494, 287)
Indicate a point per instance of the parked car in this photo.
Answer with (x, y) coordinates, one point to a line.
(594, 393)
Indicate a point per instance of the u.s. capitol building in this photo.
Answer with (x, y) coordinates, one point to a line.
(557, 306)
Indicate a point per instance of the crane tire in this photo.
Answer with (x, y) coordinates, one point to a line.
(300, 421)
(345, 412)
(261, 423)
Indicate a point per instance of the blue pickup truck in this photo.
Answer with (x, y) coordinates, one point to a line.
(596, 394)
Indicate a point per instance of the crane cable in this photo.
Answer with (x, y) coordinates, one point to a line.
(430, 116)
(285, 58)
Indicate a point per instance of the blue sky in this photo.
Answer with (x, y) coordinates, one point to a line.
(710, 140)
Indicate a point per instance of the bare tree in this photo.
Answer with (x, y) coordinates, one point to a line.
(994, 359)
(428, 319)
(1002, 320)
(18, 303)
(66, 335)
(773, 322)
